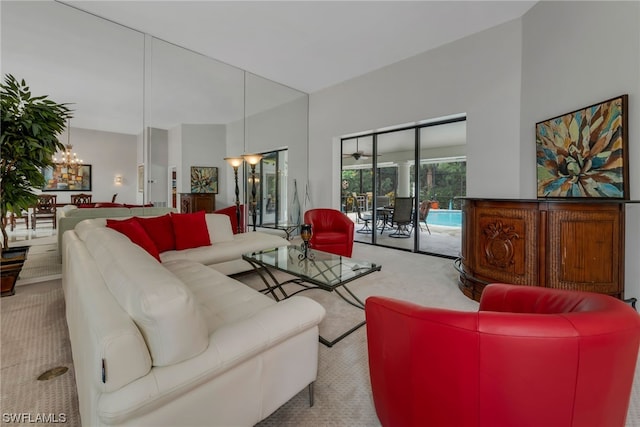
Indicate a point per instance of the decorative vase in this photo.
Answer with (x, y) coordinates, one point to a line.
(305, 235)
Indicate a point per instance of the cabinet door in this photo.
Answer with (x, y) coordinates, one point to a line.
(584, 249)
(204, 202)
(506, 243)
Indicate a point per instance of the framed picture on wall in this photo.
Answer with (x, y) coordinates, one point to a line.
(204, 179)
(67, 178)
(140, 178)
(583, 154)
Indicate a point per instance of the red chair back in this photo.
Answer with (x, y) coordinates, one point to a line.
(530, 356)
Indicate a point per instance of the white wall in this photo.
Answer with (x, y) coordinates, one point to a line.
(478, 75)
(109, 154)
(559, 57)
(201, 145)
(284, 126)
(585, 55)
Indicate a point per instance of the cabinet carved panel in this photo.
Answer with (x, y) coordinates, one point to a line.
(498, 244)
(502, 244)
(558, 244)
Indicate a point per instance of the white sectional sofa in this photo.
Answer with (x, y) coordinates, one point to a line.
(225, 252)
(69, 216)
(177, 342)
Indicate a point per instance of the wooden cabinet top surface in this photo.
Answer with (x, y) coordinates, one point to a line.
(550, 200)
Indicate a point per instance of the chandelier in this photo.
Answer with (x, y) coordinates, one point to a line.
(68, 159)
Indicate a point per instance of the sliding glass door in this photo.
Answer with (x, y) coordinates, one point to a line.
(357, 185)
(400, 186)
(396, 152)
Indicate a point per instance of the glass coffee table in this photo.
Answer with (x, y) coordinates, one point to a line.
(320, 270)
(288, 228)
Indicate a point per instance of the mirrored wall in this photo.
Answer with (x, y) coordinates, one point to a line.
(147, 111)
(96, 67)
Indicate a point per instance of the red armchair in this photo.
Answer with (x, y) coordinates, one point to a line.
(530, 356)
(332, 231)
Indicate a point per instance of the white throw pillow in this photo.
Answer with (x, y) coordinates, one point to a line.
(219, 226)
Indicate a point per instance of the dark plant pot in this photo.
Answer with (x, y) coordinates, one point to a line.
(12, 261)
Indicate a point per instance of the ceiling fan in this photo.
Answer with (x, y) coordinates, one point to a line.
(358, 154)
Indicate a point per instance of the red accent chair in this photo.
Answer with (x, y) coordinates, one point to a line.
(332, 231)
(530, 356)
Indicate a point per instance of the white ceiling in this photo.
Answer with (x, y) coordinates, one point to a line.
(308, 45)
(305, 45)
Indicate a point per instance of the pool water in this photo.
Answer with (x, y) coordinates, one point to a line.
(446, 217)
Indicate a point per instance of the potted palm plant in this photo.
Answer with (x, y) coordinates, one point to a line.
(29, 132)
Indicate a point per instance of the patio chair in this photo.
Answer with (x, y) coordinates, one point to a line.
(44, 209)
(382, 201)
(402, 218)
(425, 206)
(365, 217)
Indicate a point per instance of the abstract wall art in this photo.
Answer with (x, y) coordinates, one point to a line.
(583, 154)
(204, 179)
(67, 178)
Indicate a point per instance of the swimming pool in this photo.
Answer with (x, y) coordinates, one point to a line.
(446, 217)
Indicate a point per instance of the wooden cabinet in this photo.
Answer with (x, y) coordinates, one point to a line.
(552, 243)
(194, 202)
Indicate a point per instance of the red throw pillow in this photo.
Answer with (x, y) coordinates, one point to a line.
(190, 230)
(160, 229)
(134, 231)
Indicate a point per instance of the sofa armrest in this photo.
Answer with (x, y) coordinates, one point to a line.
(229, 347)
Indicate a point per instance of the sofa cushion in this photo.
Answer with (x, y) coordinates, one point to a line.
(98, 212)
(228, 250)
(150, 211)
(136, 233)
(158, 302)
(222, 300)
(190, 230)
(219, 227)
(160, 229)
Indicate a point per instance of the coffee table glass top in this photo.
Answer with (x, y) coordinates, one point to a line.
(287, 227)
(324, 270)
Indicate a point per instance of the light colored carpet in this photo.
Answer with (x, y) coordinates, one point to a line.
(34, 338)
